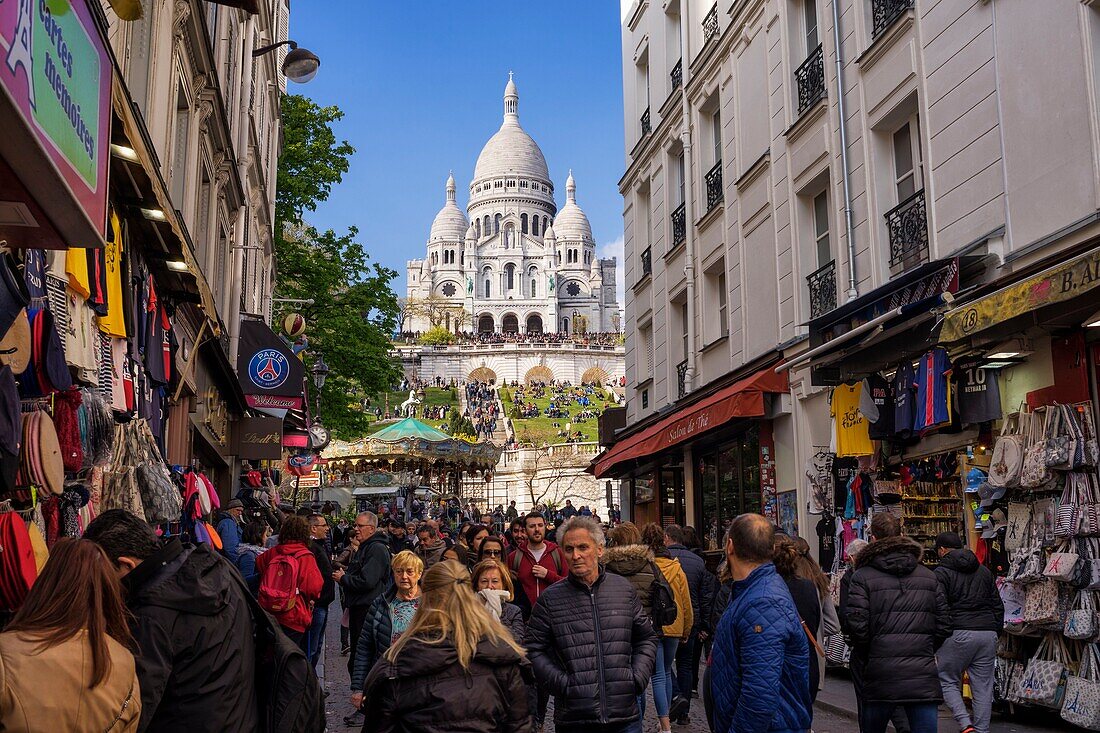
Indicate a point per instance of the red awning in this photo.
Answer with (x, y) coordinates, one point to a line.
(744, 398)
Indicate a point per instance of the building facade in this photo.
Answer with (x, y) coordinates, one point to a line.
(784, 237)
(512, 263)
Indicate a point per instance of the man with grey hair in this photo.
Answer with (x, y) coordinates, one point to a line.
(589, 641)
(367, 576)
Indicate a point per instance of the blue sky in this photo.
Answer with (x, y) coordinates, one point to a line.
(422, 83)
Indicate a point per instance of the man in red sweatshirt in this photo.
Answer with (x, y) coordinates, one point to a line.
(538, 564)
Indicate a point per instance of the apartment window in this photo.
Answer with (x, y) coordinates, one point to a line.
(716, 133)
(823, 246)
(723, 304)
(809, 18)
(683, 312)
(645, 336)
(907, 159)
(179, 149)
(681, 178)
(141, 41)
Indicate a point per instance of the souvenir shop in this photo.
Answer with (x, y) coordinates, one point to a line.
(980, 419)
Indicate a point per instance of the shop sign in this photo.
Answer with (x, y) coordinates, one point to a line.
(215, 416)
(311, 480)
(57, 72)
(260, 439)
(1055, 285)
(269, 373)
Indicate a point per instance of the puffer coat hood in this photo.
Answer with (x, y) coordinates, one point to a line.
(426, 690)
(633, 562)
(970, 593)
(897, 620)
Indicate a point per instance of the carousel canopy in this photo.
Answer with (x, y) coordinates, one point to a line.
(410, 428)
(411, 440)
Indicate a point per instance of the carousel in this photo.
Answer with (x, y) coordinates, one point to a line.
(410, 457)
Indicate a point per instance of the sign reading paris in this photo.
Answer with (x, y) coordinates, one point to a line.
(268, 369)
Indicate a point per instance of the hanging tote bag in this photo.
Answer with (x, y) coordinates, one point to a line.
(1034, 472)
(1089, 549)
(1008, 452)
(1019, 520)
(159, 495)
(1060, 440)
(1090, 448)
(1013, 597)
(1045, 677)
(1045, 604)
(1081, 619)
(1027, 566)
(1062, 564)
(1065, 516)
(1081, 706)
(120, 485)
(1088, 504)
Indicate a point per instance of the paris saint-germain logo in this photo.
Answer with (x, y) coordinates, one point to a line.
(268, 369)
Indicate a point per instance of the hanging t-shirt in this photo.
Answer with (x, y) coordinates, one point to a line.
(932, 405)
(81, 338)
(979, 394)
(826, 538)
(76, 269)
(903, 400)
(113, 323)
(877, 405)
(852, 438)
(34, 272)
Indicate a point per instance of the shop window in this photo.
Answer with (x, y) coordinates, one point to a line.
(729, 481)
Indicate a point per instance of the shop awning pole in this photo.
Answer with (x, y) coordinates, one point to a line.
(838, 341)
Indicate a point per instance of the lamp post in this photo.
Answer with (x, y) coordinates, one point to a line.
(300, 65)
(320, 374)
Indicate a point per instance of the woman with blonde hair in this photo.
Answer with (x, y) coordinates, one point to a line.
(493, 584)
(65, 659)
(455, 669)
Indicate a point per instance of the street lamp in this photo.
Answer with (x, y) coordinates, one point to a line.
(320, 374)
(300, 65)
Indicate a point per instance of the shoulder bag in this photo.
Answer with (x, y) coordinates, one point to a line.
(1082, 698)
(1045, 603)
(1034, 472)
(1062, 564)
(1045, 677)
(1008, 452)
(1081, 620)
(1059, 440)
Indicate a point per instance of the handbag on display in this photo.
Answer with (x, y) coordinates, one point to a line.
(1090, 457)
(1013, 597)
(1059, 440)
(1081, 705)
(1066, 519)
(1089, 550)
(1019, 522)
(1062, 564)
(1081, 619)
(120, 484)
(1008, 451)
(1044, 680)
(159, 495)
(1027, 566)
(1045, 603)
(1034, 472)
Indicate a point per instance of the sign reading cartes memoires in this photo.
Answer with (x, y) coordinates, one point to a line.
(55, 68)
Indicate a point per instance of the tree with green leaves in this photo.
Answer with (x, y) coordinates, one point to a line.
(354, 308)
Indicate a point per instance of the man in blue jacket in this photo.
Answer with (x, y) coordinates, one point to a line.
(760, 660)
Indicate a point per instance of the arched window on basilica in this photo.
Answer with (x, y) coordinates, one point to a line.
(535, 225)
(496, 224)
(509, 277)
(523, 223)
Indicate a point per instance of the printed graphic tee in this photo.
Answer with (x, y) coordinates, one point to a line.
(979, 395)
(877, 405)
(904, 380)
(852, 438)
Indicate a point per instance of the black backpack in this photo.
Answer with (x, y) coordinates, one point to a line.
(287, 690)
(662, 601)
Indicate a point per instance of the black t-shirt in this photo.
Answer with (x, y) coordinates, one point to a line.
(979, 396)
(826, 538)
(877, 390)
(904, 384)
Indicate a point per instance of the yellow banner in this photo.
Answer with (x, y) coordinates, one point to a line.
(1056, 285)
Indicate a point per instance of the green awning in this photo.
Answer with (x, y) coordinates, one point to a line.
(410, 428)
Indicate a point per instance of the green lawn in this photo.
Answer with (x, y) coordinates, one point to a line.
(541, 429)
(433, 397)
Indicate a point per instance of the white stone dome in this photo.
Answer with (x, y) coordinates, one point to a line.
(511, 151)
(571, 223)
(450, 223)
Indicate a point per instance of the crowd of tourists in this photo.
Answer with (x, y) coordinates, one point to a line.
(482, 408)
(476, 629)
(610, 338)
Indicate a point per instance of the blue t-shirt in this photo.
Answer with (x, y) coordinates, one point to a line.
(931, 406)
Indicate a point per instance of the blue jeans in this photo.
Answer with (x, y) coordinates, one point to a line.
(662, 676)
(923, 717)
(315, 635)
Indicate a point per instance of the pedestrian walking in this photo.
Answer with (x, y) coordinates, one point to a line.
(253, 538)
(539, 563)
(687, 659)
(390, 615)
(398, 539)
(494, 585)
(670, 635)
(367, 576)
(318, 535)
(65, 659)
(976, 616)
(589, 641)
(229, 528)
(806, 601)
(429, 545)
(897, 620)
(760, 659)
(455, 669)
(196, 660)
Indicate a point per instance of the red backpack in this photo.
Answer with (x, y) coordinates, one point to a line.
(279, 584)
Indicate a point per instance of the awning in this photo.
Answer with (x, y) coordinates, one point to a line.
(268, 371)
(740, 399)
(1051, 286)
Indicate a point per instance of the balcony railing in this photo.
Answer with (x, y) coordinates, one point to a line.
(679, 224)
(677, 75)
(884, 13)
(822, 286)
(710, 24)
(681, 379)
(713, 179)
(810, 77)
(646, 127)
(647, 262)
(908, 226)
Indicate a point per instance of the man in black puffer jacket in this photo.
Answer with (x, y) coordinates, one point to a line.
(588, 640)
(897, 620)
(976, 617)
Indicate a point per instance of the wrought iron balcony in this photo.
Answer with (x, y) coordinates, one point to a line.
(681, 379)
(715, 194)
(822, 285)
(710, 24)
(884, 13)
(646, 127)
(908, 226)
(811, 80)
(679, 224)
(647, 262)
(677, 75)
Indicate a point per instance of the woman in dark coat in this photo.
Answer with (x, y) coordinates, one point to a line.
(456, 669)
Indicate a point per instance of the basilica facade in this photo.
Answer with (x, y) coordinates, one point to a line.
(512, 263)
